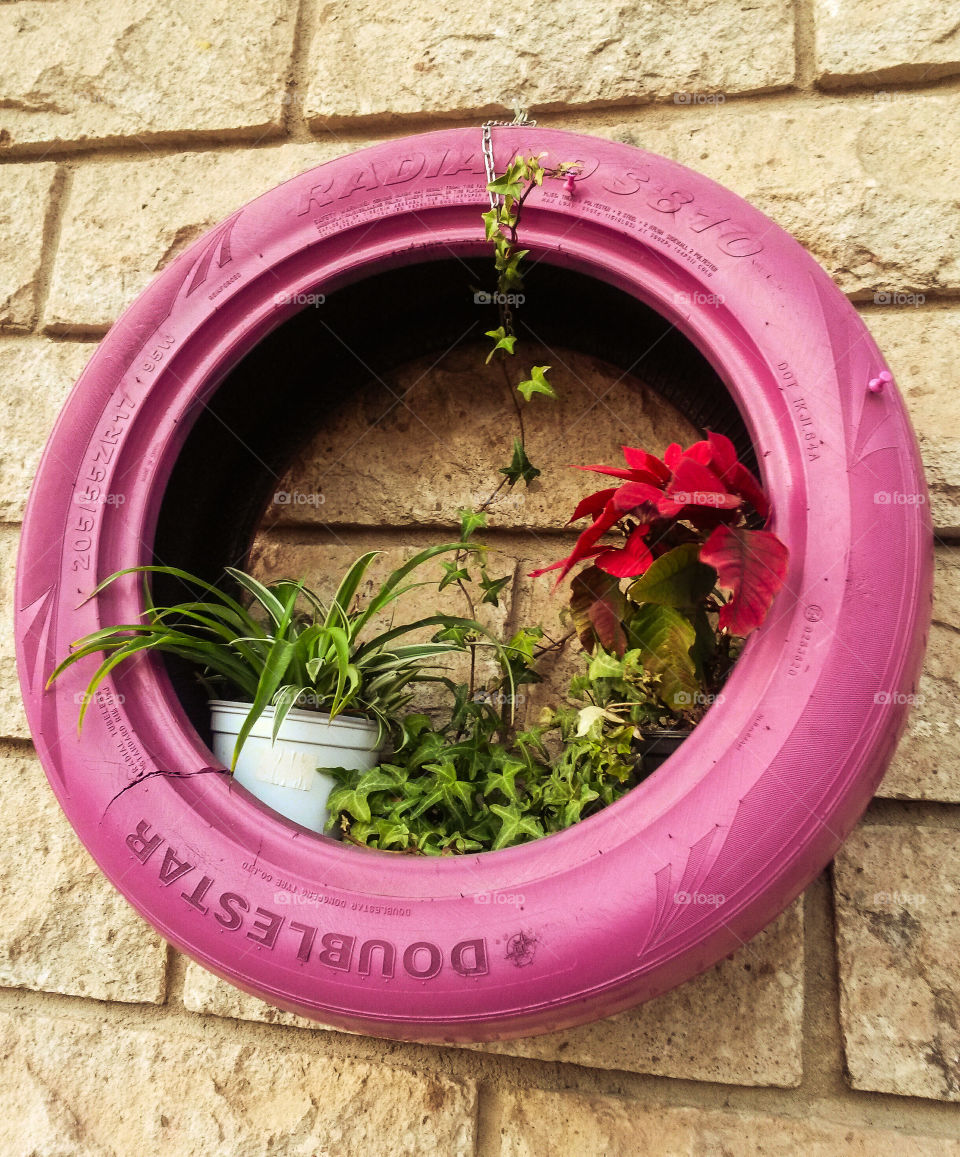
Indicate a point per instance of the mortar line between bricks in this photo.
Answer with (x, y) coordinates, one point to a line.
(52, 228)
(822, 1041)
(554, 116)
(890, 812)
(389, 125)
(297, 83)
(489, 1120)
(653, 1092)
(805, 45)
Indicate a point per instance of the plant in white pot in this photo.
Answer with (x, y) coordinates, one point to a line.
(313, 684)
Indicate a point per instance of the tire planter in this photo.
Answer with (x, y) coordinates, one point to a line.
(605, 915)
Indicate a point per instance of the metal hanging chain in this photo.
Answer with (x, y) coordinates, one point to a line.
(520, 120)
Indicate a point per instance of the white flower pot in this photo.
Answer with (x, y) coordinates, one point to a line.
(284, 775)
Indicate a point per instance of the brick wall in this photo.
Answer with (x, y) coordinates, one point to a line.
(127, 127)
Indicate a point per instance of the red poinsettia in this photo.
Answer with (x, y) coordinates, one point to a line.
(694, 495)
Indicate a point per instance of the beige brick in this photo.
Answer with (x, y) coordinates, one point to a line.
(36, 377)
(81, 1087)
(13, 719)
(927, 762)
(205, 993)
(870, 42)
(94, 70)
(454, 429)
(125, 220)
(535, 1123)
(866, 186)
(920, 343)
(898, 935)
(64, 927)
(24, 199)
(454, 59)
(739, 1023)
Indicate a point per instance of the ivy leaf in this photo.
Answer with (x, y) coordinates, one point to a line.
(573, 812)
(355, 799)
(676, 579)
(604, 666)
(459, 635)
(514, 826)
(492, 588)
(509, 185)
(536, 384)
(453, 573)
(587, 718)
(503, 780)
(491, 220)
(523, 642)
(520, 466)
(470, 520)
(504, 341)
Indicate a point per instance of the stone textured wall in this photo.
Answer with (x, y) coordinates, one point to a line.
(127, 127)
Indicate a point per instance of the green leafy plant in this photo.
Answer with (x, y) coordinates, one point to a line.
(470, 786)
(285, 646)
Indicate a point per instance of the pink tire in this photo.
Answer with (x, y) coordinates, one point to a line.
(657, 887)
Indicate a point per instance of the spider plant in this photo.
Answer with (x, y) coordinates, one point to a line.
(284, 645)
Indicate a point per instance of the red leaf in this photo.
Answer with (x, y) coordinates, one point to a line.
(641, 460)
(633, 494)
(695, 485)
(593, 504)
(739, 479)
(630, 560)
(672, 454)
(699, 452)
(752, 564)
(723, 453)
(619, 472)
